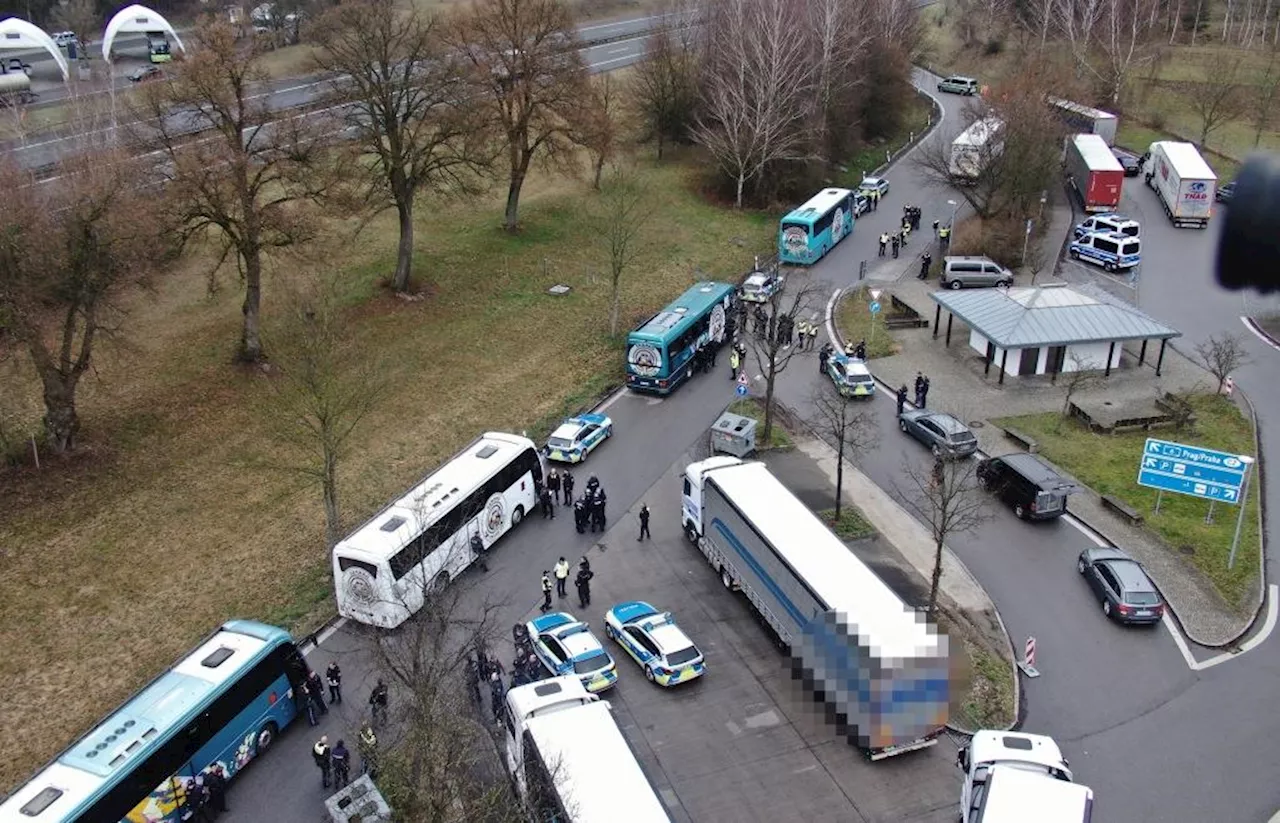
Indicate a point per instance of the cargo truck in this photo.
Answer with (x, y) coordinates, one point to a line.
(877, 667)
(1183, 182)
(1094, 172)
(1081, 118)
(975, 147)
(1013, 777)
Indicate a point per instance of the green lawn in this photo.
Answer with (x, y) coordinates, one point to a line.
(1109, 464)
(851, 525)
(856, 322)
(753, 407)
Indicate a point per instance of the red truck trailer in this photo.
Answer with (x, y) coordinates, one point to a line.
(1094, 172)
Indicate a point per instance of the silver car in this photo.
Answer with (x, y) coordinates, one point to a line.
(967, 272)
(943, 434)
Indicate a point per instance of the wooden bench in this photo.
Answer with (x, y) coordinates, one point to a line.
(903, 316)
(1122, 508)
(1022, 440)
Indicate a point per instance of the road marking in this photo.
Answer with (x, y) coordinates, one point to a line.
(620, 22)
(613, 398)
(1248, 324)
(618, 49)
(1273, 611)
(831, 307)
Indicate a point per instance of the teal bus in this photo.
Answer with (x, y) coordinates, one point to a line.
(810, 231)
(660, 350)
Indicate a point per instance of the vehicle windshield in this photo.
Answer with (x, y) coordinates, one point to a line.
(683, 656)
(595, 662)
(559, 443)
(1047, 501)
(1142, 598)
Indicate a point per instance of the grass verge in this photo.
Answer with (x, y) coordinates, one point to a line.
(981, 678)
(855, 322)
(158, 522)
(753, 407)
(915, 119)
(1108, 463)
(851, 525)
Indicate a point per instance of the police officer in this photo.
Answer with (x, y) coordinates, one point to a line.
(593, 483)
(368, 745)
(548, 509)
(473, 679)
(944, 237)
(735, 360)
(884, 241)
(341, 759)
(600, 499)
(566, 483)
(477, 549)
(860, 350)
(496, 693)
(580, 514)
(553, 485)
(644, 523)
(896, 240)
(925, 260)
(902, 399)
(546, 592)
(320, 754)
(824, 354)
(333, 674)
(583, 583)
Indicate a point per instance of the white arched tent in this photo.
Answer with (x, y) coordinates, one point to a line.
(19, 34)
(136, 19)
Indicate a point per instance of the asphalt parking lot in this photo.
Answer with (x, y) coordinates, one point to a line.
(742, 743)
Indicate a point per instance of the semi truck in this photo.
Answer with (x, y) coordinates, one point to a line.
(878, 669)
(1081, 118)
(1094, 172)
(1183, 181)
(975, 147)
(1014, 777)
(568, 759)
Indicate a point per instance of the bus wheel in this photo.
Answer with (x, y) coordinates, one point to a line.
(266, 736)
(516, 516)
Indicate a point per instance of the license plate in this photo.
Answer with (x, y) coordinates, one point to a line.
(1142, 613)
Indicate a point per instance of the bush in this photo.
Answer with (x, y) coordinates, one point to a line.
(993, 47)
(997, 238)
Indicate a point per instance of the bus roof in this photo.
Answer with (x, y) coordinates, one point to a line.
(545, 696)
(1096, 153)
(134, 730)
(979, 132)
(669, 322)
(818, 205)
(833, 573)
(593, 767)
(403, 519)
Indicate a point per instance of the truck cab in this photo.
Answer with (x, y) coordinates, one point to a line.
(691, 498)
(991, 752)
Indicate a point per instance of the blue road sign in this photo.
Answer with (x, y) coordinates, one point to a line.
(741, 390)
(1191, 470)
(875, 307)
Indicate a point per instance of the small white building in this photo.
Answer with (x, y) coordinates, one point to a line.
(1049, 329)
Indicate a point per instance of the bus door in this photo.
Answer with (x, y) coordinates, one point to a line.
(295, 667)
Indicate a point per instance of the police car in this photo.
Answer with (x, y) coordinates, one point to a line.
(576, 437)
(653, 640)
(850, 375)
(760, 286)
(1111, 250)
(1110, 221)
(566, 646)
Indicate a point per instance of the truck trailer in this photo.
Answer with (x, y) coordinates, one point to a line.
(975, 147)
(1183, 181)
(1014, 777)
(1094, 172)
(878, 669)
(1082, 118)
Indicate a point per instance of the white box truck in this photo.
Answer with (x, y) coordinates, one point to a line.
(878, 668)
(1013, 777)
(569, 760)
(1183, 182)
(1081, 118)
(975, 147)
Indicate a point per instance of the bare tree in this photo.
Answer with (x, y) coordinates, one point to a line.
(773, 350)
(80, 17)
(624, 210)
(1122, 40)
(947, 499)
(1266, 85)
(842, 37)
(322, 387)
(1215, 97)
(414, 129)
(597, 128)
(1222, 355)
(526, 68)
(664, 86)
(845, 423)
(757, 89)
(67, 254)
(1084, 374)
(243, 185)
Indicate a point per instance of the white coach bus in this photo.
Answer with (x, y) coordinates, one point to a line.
(384, 570)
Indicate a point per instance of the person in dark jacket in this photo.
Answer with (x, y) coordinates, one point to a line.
(378, 704)
(315, 690)
(566, 483)
(478, 549)
(341, 759)
(320, 754)
(597, 509)
(215, 782)
(860, 350)
(333, 675)
(496, 693)
(197, 801)
(580, 515)
(925, 261)
(583, 584)
(902, 399)
(644, 523)
(473, 680)
(824, 354)
(548, 508)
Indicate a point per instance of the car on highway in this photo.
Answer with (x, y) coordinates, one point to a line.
(958, 84)
(145, 74)
(943, 434)
(1120, 582)
(578, 436)
(1225, 192)
(761, 285)
(850, 375)
(1033, 488)
(1130, 162)
(565, 645)
(874, 184)
(653, 640)
(64, 38)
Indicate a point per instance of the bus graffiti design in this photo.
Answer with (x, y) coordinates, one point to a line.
(645, 359)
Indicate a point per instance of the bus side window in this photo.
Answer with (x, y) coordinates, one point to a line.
(688, 487)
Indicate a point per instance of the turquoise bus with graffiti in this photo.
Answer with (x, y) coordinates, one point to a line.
(660, 350)
(812, 230)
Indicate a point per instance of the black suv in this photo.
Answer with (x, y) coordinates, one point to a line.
(1033, 487)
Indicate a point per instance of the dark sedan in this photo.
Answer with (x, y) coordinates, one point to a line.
(943, 434)
(1129, 162)
(1122, 585)
(1225, 192)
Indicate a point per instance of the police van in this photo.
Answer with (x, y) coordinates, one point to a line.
(1110, 249)
(1108, 222)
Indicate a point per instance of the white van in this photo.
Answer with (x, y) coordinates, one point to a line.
(1111, 250)
(1013, 777)
(1110, 221)
(960, 272)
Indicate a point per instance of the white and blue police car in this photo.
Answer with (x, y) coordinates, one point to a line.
(653, 640)
(1111, 250)
(1109, 221)
(566, 646)
(578, 436)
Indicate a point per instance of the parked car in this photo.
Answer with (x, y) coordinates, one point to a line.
(959, 272)
(851, 376)
(1120, 582)
(1129, 162)
(653, 640)
(1109, 249)
(958, 84)
(565, 645)
(874, 184)
(761, 285)
(1110, 221)
(943, 434)
(1035, 489)
(577, 437)
(1225, 192)
(17, 66)
(144, 74)
(861, 202)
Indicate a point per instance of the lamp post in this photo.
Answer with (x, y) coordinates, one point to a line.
(955, 207)
(1026, 236)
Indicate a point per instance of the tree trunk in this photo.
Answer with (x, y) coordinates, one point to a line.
(511, 219)
(661, 142)
(742, 181)
(329, 484)
(768, 407)
(404, 253)
(61, 421)
(599, 163)
(1195, 26)
(615, 302)
(251, 334)
(839, 476)
(937, 578)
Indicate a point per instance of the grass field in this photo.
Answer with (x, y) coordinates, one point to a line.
(1106, 463)
(753, 407)
(117, 561)
(856, 322)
